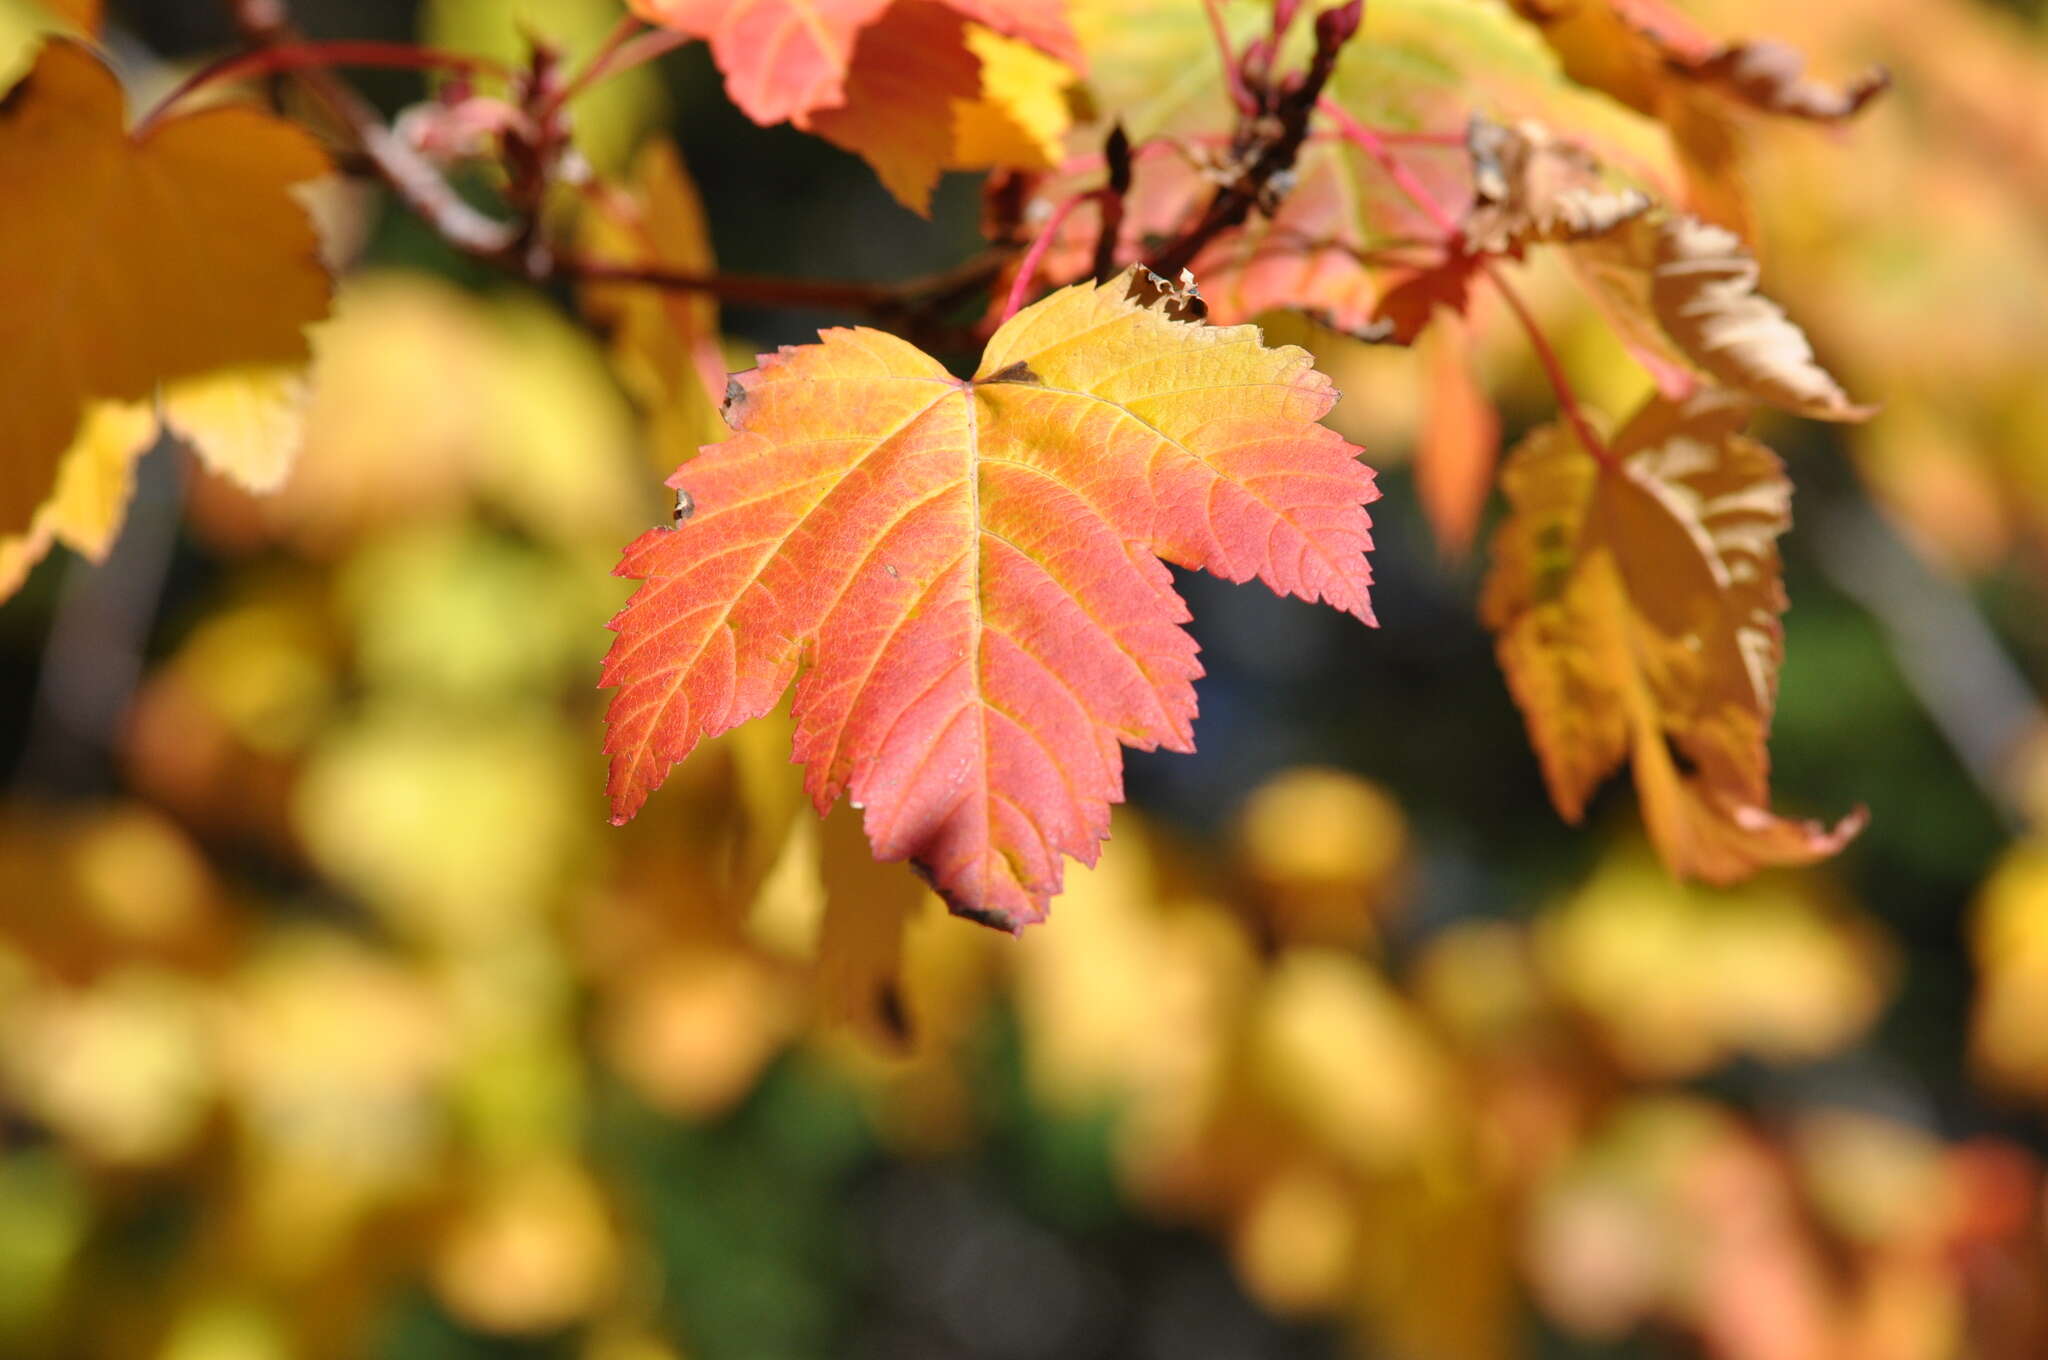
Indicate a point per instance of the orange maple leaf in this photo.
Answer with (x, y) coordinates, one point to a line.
(1635, 608)
(786, 59)
(968, 573)
(130, 260)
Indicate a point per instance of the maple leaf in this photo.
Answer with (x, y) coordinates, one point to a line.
(969, 574)
(131, 260)
(786, 59)
(1635, 608)
(913, 87)
(1771, 77)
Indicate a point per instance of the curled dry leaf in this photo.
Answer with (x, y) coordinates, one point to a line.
(1635, 611)
(1659, 62)
(1531, 186)
(1703, 287)
(129, 260)
(969, 573)
(1771, 76)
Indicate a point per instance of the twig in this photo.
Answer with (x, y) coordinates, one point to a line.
(264, 25)
(1404, 179)
(1277, 151)
(619, 55)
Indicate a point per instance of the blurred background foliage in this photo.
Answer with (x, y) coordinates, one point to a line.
(335, 1021)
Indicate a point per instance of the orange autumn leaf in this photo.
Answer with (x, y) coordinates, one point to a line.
(909, 71)
(969, 574)
(1458, 446)
(1635, 609)
(913, 87)
(128, 260)
(781, 58)
(784, 60)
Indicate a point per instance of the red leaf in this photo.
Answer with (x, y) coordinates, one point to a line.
(968, 573)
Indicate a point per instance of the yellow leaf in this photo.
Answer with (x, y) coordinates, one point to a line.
(128, 260)
(245, 423)
(1021, 114)
(425, 398)
(94, 480)
(1680, 978)
(664, 342)
(2009, 935)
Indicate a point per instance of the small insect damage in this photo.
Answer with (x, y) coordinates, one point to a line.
(1180, 301)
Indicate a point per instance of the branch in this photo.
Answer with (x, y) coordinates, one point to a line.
(281, 57)
(1277, 153)
(263, 24)
(768, 291)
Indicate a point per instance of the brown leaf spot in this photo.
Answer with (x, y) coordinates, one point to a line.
(1019, 372)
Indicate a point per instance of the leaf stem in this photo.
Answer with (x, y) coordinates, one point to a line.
(1567, 399)
(1374, 145)
(1233, 79)
(1020, 286)
(265, 26)
(626, 48)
